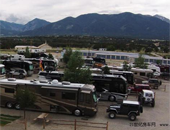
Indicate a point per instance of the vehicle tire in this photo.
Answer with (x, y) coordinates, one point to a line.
(21, 76)
(112, 98)
(9, 105)
(77, 112)
(132, 117)
(112, 115)
(153, 104)
(17, 106)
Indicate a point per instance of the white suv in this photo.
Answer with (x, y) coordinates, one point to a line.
(147, 97)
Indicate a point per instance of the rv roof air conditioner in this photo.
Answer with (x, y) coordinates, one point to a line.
(11, 79)
(55, 81)
(66, 83)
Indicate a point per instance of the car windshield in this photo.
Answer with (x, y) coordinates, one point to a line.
(148, 95)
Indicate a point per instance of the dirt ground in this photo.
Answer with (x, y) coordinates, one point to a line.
(150, 119)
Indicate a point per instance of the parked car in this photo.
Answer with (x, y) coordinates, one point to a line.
(17, 72)
(154, 83)
(129, 108)
(147, 97)
(104, 94)
(139, 87)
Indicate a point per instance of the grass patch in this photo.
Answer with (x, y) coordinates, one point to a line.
(5, 119)
(2, 123)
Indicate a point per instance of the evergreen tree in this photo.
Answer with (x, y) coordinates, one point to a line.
(50, 56)
(27, 53)
(74, 73)
(25, 98)
(140, 62)
(106, 70)
(67, 55)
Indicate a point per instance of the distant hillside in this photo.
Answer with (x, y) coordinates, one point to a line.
(162, 18)
(118, 25)
(10, 26)
(34, 24)
(11, 29)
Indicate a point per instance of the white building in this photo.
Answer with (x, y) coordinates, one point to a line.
(34, 49)
(130, 57)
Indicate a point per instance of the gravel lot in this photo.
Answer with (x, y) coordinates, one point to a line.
(152, 117)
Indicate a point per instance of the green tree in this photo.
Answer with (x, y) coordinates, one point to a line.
(25, 98)
(125, 66)
(50, 56)
(140, 62)
(74, 73)
(106, 70)
(27, 53)
(67, 55)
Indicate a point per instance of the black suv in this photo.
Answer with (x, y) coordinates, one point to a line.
(129, 108)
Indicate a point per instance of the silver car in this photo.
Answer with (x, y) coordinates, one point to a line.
(21, 73)
(111, 96)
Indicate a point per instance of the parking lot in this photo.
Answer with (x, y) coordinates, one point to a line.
(151, 118)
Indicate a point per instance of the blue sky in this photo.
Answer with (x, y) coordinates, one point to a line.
(22, 11)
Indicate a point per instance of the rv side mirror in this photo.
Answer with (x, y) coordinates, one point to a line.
(105, 90)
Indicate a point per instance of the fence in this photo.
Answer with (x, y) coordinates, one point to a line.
(79, 124)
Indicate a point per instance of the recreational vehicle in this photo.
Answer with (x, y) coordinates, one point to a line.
(127, 74)
(54, 96)
(26, 65)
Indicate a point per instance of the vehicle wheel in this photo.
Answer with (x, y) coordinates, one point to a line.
(132, 117)
(112, 98)
(9, 105)
(77, 112)
(17, 106)
(153, 104)
(112, 115)
(21, 76)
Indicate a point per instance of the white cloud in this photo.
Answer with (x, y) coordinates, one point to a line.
(22, 11)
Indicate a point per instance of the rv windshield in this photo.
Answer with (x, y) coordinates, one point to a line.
(31, 67)
(2, 70)
(94, 97)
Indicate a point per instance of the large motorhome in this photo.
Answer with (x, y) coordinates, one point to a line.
(27, 65)
(54, 96)
(113, 83)
(45, 63)
(127, 74)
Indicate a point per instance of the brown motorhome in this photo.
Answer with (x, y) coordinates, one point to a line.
(54, 96)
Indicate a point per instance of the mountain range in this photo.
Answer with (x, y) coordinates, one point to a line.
(116, 25)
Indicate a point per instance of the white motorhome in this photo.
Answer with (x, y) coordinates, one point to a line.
(142, 72)
(156, 69)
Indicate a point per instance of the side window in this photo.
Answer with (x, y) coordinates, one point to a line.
(86, 98)
(52, 94)
(9, 90)
(69, 95)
